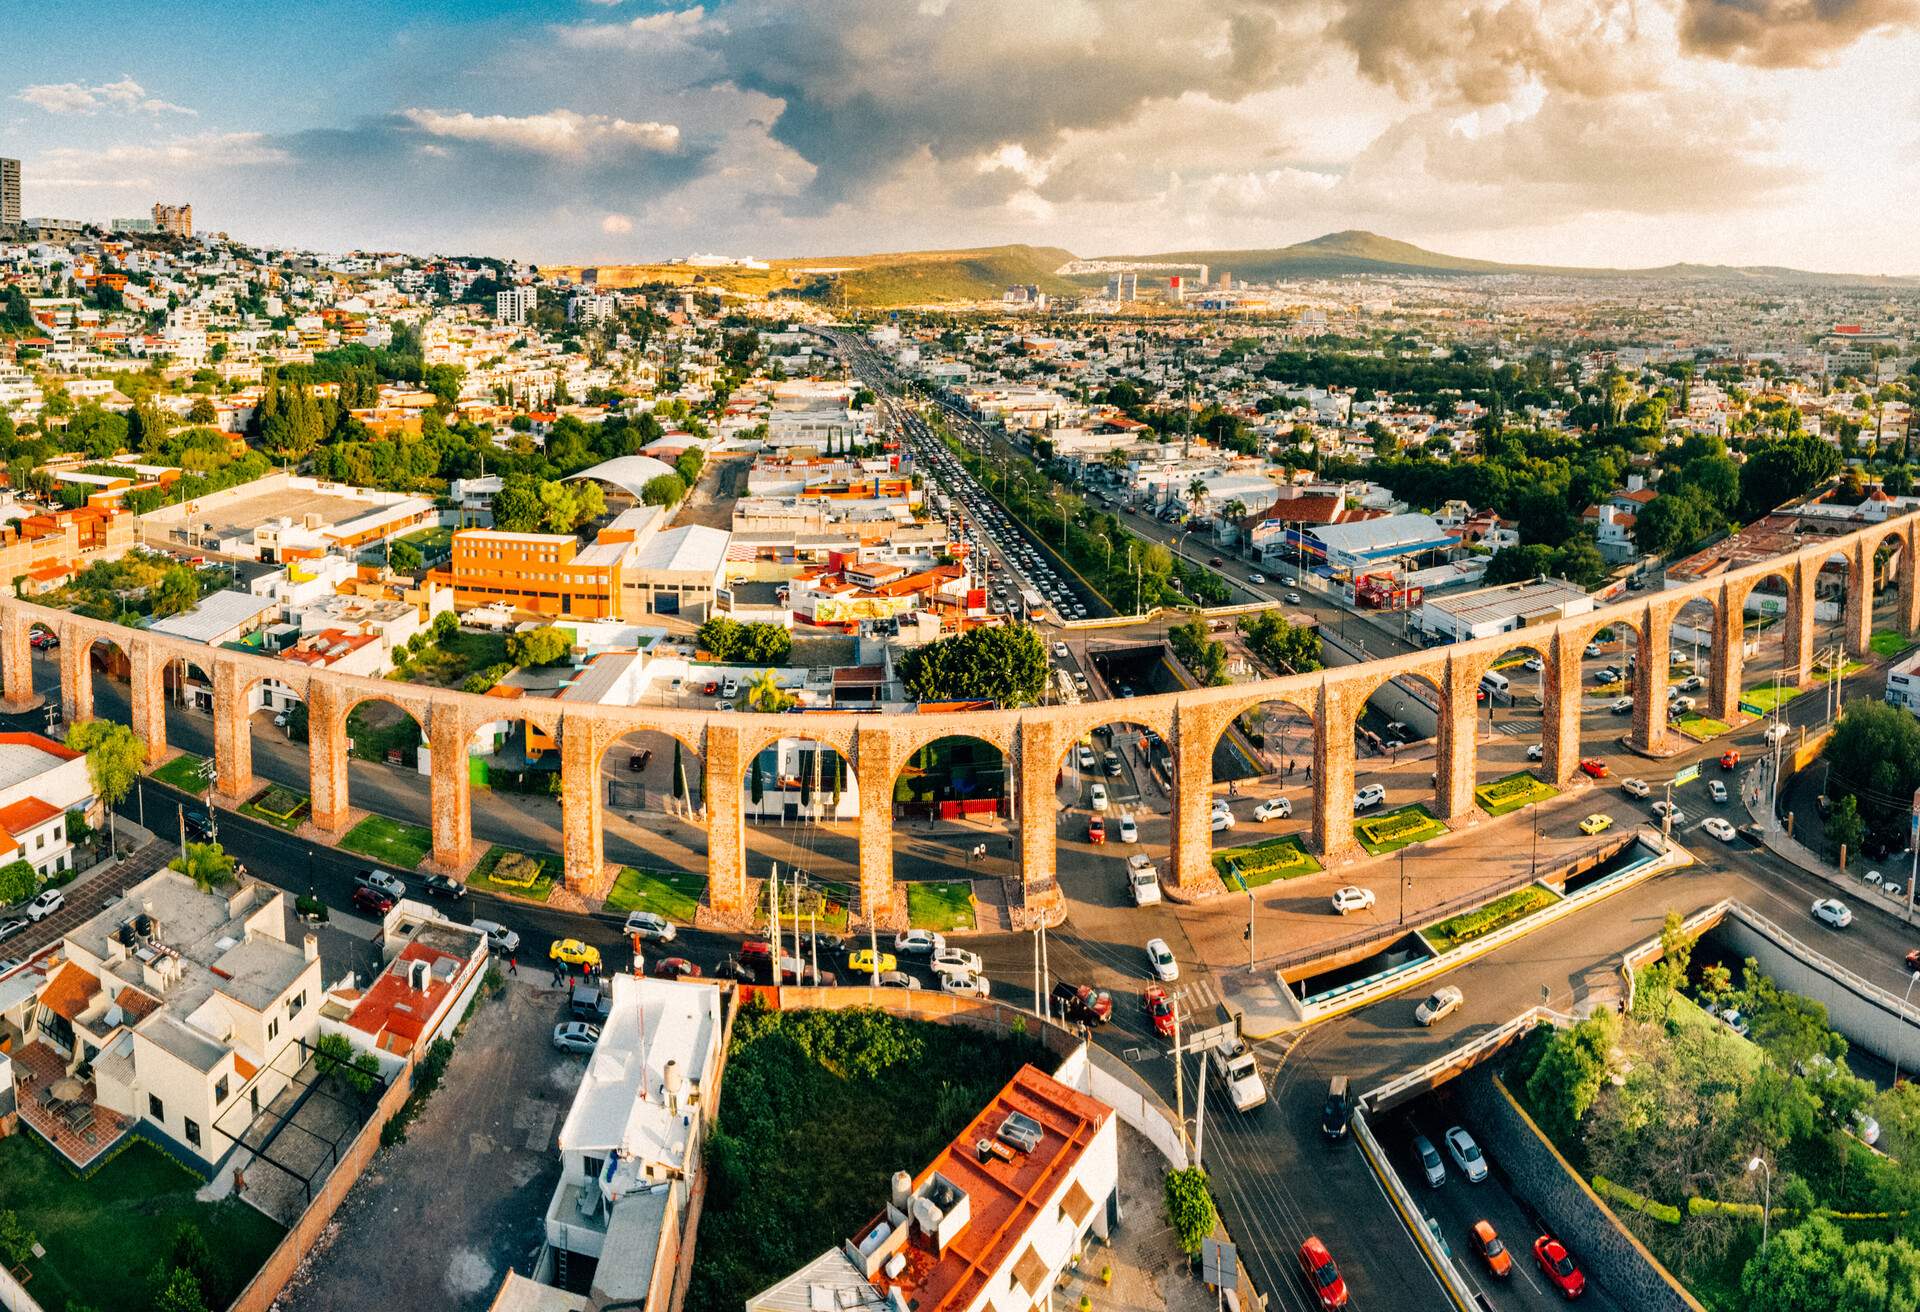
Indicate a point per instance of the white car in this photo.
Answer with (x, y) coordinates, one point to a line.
(1352, 898)
(1443, 1003)
(46, 904)
(1535, 751)
(1669, 811)
(1593, 649)
(1160, 961)
(1716, 790)
(1097, 796)
(650, 926)
(966, 986)
(1776, 732)
(1129, 832)
(1293, 599)
(1466, 1155)
(1223, 821)
(1371, 795)
(1143, 880)
(1719, 828)
(1832, 911)
(1084, 756)
(1256, 578)
(1635, 787)
(957, 961)
(383, 881)
(919, 943)
(1274, 808)
(1060, 650)
(1533, 665)
(1621, 705)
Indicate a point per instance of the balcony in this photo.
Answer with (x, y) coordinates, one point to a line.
(59, 1106)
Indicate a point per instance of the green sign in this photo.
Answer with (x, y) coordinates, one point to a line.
(1751, 709)
(1686, 776)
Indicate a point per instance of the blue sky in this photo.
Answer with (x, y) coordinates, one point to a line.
(1577, 131)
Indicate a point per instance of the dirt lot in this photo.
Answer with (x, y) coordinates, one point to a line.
(463, 1198)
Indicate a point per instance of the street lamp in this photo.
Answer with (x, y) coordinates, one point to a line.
(1766, 1210)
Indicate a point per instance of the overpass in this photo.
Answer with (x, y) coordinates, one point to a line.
(1035, 741)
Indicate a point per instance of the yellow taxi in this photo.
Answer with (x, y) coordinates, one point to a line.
(862, 962)
(1596, 824)
(574, 952)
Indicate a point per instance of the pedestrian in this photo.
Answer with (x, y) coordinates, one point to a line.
(513, 966)
(1309, 771)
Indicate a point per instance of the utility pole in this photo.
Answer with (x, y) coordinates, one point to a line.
(1200, 1113)
(1179, 1078)
(773, 919)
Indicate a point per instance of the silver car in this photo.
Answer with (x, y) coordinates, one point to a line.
(499, 937)
(575, 1036)
(651, 926)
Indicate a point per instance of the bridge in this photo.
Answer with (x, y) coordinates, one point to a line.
(1035, 741)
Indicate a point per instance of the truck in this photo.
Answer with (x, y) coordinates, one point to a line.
(1234, 1064)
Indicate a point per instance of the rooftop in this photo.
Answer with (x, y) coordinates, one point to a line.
(623, 1101)
(693, 548)
(215, 616)
(1485, 605)
(25, 756)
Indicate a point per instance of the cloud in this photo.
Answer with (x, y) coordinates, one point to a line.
(616, 224)
(647, 32)
(1787, 33)
(74, 98)
(558, 132)
(198, 153)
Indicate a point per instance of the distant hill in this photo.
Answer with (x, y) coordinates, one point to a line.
(931, 277)
(1354, 251)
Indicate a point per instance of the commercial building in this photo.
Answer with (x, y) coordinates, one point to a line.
(993, 1222)
(1489, 611)
(1357, 544)
(633, 569)
(1903, 683)
(9, 193)
(175, 220)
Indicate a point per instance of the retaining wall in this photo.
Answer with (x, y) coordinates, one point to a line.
(1535, 1171)
(14, 1296)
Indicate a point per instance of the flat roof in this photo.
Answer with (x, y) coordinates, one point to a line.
(1367, 537)
(691, 548)
(1509, 600)
(215, 616)
(25, 756)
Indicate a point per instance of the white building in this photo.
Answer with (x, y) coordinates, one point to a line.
(40, 781)
(515, 304)
(1502, 609)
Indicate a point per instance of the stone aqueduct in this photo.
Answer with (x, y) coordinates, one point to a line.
(1035, 740)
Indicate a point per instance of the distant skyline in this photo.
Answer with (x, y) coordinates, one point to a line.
(1628, 133)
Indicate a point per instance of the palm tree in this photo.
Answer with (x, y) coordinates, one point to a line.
(205, 864)
(1197, 493)
(766, 694)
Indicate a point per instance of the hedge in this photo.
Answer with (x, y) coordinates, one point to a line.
(1639, 1202)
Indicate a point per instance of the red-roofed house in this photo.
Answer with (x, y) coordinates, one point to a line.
(40, 781)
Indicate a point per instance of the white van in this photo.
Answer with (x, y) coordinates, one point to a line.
(1495, 684)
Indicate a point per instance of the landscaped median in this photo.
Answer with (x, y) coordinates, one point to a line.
(1889, 642)
(1481, 921)
(1393, 830)
(674, 894)
(393, 841)
(529, 875)
(1699, 727)
(1504, 796)
(1270, 859)
(278, 805)
(1768, 697)
(187, 772)
(940, 905)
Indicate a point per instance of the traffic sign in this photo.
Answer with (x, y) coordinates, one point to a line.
(1218, 1266)
(1686, 776)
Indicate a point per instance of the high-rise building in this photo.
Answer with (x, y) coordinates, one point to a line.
(514, 304)
(175, 220)
(1123, 286)
(9, 192)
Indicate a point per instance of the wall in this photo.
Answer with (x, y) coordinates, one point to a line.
(1535, 1171)
(14, 1296)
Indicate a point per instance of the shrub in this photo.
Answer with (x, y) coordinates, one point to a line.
(515, 870)
(17, 882)
(1189, 1208)
(1637, 1201)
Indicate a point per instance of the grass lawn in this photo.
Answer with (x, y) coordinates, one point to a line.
(674, 894)
(104, 1234)
(183, 772)
(1826, 673)
(539, 890)
(1701, 727)
(434, 543)
(1392, 830)
(1504, 796)
(1767, 696)
(1888, 643)
(940, 904)
(278, 805)
(394, 841)
(1684, 1012)
(447, 664)
(1481, 921)
(1270, 859)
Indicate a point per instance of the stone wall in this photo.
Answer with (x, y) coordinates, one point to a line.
(1535, 1173)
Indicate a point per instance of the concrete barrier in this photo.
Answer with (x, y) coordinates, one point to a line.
(1459, 1295)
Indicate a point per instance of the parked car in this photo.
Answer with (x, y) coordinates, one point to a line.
(46, 904)
(1082, 1004)
(650, 926)
(574, 953)
(1161, 962)
(1443, 1002)
(1159, 1009)
(499, 937)
(589, 1003)
(919, 943)
(1431, 1167)
(1466, 1155)
(1323, 1277)
(638, 761)
(1222, 821)
(957, 961)
(1498, 1260)
(1274, 808)
(451, 890)
(371, 900)
(1351, 898)
(1533, 665)
(1369, 795)
(576, 1036)
(8, 928)
(675, 968)
(1597, 823)
(965, 985)
(1557, 1265)
(866, 961)
(384, 881)
(1832, 911)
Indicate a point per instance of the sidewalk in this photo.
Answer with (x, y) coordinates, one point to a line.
(1756, 794)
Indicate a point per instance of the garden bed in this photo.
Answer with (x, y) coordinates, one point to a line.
(1504, 796)
(536, 885)
(1393, 830)
(674, 894)
(1699, 727)
(395, 842)
(183, 772)
(1481, 921)
(1266, 861)
(278, 805)
(941, 905)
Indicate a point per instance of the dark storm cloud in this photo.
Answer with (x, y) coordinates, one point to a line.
(1786, 33)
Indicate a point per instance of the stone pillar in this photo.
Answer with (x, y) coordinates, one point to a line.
(327, 754)
(1195, 731)
(1909, 591)
(1650, 681)
(726, 832)
(1456, 749)
(232, 733)
(76, 681)
(452, 794)
(1560, 701)
(1036, 763)
(581, 806)
(1333, 770)
(1729, 658)
(875, 764)
(1859, 617)
(16, 659)
(148, 694)
(1802, 576)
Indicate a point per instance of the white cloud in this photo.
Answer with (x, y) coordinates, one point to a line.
(76, 98)
(615, 224)
(558, 132)
(647, 32)
(207, 150)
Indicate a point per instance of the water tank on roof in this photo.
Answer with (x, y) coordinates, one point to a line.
(902, 1189)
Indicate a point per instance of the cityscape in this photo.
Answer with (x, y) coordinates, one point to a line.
(568, 744)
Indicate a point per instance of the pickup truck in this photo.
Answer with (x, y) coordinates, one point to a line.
(1237, 1069)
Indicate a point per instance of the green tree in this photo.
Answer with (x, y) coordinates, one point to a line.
(190, 1253)
(202, 412)
(1004, 663)
(1190, 1209)
(765, 694)
(1845, 828)
(1286, 648)
(443, 380)
(16, 1240)
(404, 556)
(1571, 1071)
(176, 1290)
(446, 626)
(679, 774)
(114, 760)
(516, 506)
(178, 591)
(663, 490)
(1205, 658)
(547, 645)
(17, 883)
(1779, 470)
(1874, 757)
(206, 864)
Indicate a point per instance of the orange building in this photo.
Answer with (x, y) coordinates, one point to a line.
(546, 573)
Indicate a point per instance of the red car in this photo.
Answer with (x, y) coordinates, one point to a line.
(711, 689)
(1321, 1275)
(1556, 1264)
(1595, 767)
(1159, 1008)
(372, 901)
(1913, 961)
(675, 968)
(1096, 830)
(1729, 758)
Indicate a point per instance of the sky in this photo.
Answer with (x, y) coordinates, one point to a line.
(1592, 132)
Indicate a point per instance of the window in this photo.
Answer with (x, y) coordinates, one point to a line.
(593, 1166)
(193, 1131)
(273, 1028)
(156, 1109)
(220, 1091)
(295, 1003)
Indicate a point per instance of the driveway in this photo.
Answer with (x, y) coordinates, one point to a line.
(464, 1196)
